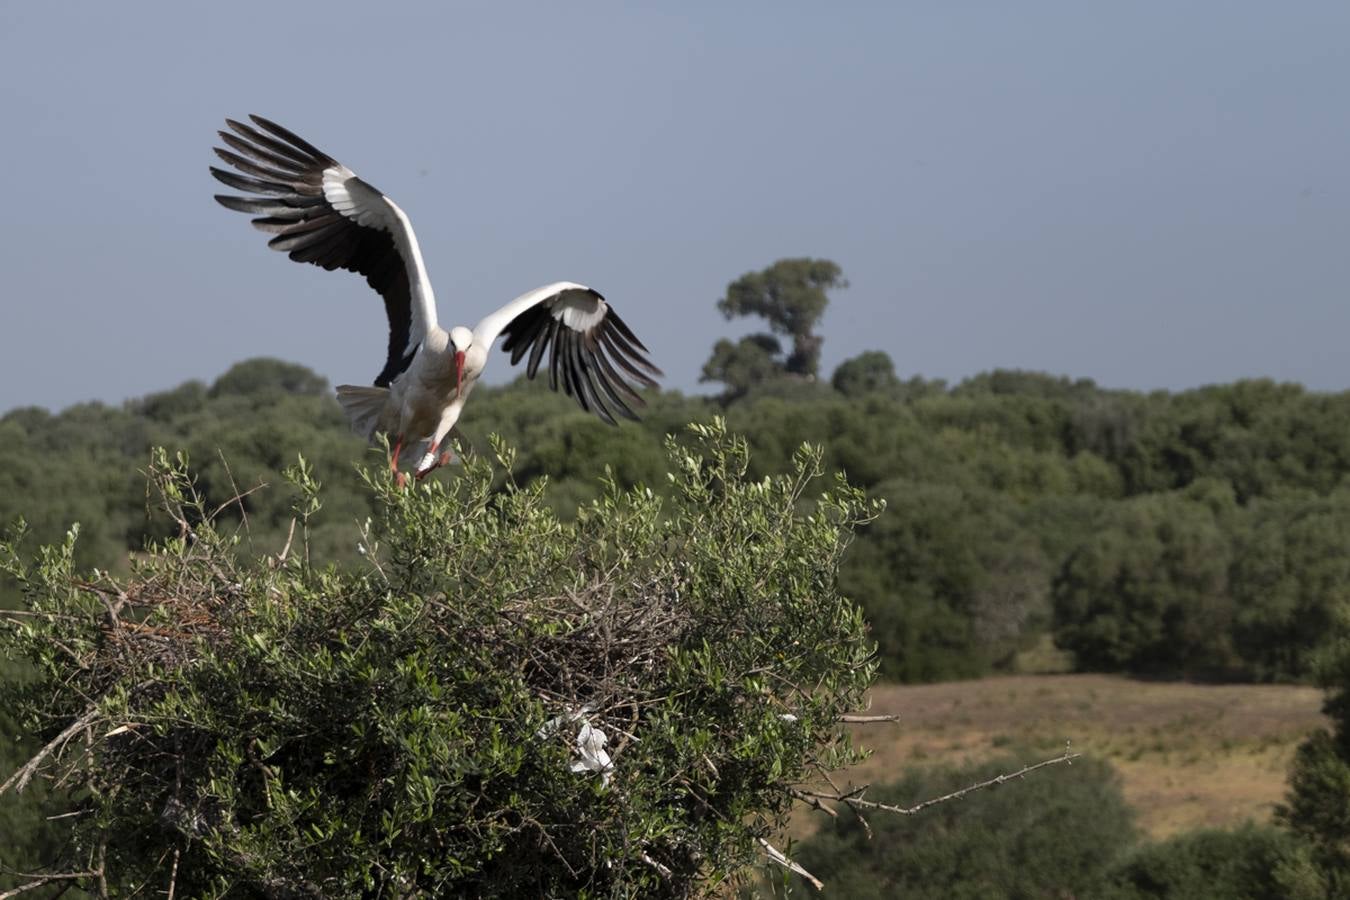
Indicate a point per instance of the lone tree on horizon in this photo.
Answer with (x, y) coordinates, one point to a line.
(791, 296)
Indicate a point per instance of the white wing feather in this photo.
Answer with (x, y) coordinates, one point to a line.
(579, 311)
(367, 207)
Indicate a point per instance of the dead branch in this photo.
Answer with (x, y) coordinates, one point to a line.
(855, 799)
(813, 801)
(40, 880)
(777, 856)
(290, 536)
(662, 870)
(238, 498)
(25, 772)
(173, 874)
(850, 719)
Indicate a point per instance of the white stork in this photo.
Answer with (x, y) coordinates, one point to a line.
(321, 213)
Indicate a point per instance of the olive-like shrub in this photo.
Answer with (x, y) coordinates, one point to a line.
(494, 703)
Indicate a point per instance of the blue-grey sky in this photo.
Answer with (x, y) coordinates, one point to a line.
(1149, 194)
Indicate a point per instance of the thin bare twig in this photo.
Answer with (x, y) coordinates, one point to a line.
(851, 719)
(67, 815)
(40, 880)
(855, 798)
(662, 870)
(21, 778)
(777, 856)
(290, 536)
(102, 869)
(238, 498)
(39, 614)
(173, 874)
(813, 801)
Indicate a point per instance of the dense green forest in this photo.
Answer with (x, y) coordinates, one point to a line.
(1198, 533)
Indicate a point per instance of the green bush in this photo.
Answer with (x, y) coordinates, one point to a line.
(1048, 836)
(1148, 591)
(1318, 807)
(495, 703)
(1250, 863)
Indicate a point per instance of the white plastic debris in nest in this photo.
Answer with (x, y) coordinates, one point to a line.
(591, 748)
(590, 743)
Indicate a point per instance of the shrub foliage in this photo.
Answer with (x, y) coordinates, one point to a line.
(496, 702)
(1047, 836)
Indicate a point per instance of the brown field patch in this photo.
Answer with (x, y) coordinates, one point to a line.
(1189, 755)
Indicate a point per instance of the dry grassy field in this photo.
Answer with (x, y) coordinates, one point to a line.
(1190, 755)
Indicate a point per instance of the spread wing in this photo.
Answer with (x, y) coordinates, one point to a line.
(321, 213)
(592, 354)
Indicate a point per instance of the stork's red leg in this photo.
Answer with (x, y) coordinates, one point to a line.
(399, 477)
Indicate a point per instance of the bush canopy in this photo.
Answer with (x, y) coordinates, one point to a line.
(492, 701)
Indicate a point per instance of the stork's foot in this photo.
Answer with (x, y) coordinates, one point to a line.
(431, 461)
(442, 460)
(401, 479)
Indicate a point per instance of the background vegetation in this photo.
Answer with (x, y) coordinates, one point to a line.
(1034, 522)
(1195, 534)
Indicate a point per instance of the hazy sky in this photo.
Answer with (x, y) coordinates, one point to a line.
(1150, 194)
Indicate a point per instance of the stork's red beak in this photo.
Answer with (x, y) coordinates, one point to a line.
(459, 372)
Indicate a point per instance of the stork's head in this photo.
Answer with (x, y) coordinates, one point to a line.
(461, 338)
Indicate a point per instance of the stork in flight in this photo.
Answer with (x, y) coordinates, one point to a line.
(321, 213)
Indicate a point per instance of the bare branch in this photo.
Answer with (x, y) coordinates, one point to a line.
(855, 798)
(290, 536)
(777, 856)
(40, 880)
(102, 868)
(663, 870)
(238, 498)
(813, 801)
(25, 772)
(850, 719)
(173, 874)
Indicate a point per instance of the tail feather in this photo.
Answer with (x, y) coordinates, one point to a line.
(364, 407)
